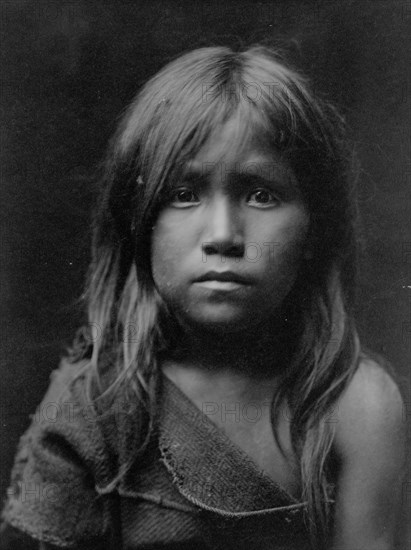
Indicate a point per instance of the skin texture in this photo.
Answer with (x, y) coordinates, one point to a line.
(238, 209)
(370, 441)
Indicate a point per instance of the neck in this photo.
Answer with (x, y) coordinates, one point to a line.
(260, 353)
(236, 367)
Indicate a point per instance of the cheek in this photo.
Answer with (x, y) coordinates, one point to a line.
(287, 245)
(170, 248)
(294, 245)
(163, 258)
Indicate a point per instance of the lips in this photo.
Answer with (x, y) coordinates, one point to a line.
(224, 277)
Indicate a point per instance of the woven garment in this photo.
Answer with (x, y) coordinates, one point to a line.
(193, 488)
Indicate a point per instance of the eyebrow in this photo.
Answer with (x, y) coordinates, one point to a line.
(280, 176)
(196, 169)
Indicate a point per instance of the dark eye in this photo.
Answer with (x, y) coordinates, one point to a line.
(262, 197)
(183, 197)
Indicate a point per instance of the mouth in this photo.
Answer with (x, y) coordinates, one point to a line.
(223, 280)
(220, 285)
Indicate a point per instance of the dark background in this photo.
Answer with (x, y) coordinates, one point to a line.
(68, 70)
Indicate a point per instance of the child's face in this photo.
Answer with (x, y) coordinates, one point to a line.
(227, 245)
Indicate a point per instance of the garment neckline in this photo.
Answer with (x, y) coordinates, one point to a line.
(185, 431)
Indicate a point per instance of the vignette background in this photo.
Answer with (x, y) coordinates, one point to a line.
(68, 70)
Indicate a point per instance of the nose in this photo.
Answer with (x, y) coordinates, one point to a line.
(224, 234)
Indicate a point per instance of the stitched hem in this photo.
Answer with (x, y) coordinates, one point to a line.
(226, 513)
(159, 500)
(264, 512)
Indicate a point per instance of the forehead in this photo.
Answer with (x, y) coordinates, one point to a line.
(235, 148)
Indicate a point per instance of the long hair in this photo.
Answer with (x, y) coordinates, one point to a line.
(169, 120)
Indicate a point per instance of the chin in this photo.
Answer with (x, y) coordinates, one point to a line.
(220, 324)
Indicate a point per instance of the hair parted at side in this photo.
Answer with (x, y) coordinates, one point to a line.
(169, 120)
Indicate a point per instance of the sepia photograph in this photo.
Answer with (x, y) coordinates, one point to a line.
(205, 275)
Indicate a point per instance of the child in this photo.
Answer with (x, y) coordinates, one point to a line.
(220, 397)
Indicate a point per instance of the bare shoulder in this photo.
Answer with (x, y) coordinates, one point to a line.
(370, 442)
(370, 411)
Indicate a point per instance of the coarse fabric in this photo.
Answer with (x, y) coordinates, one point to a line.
(192, 488)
